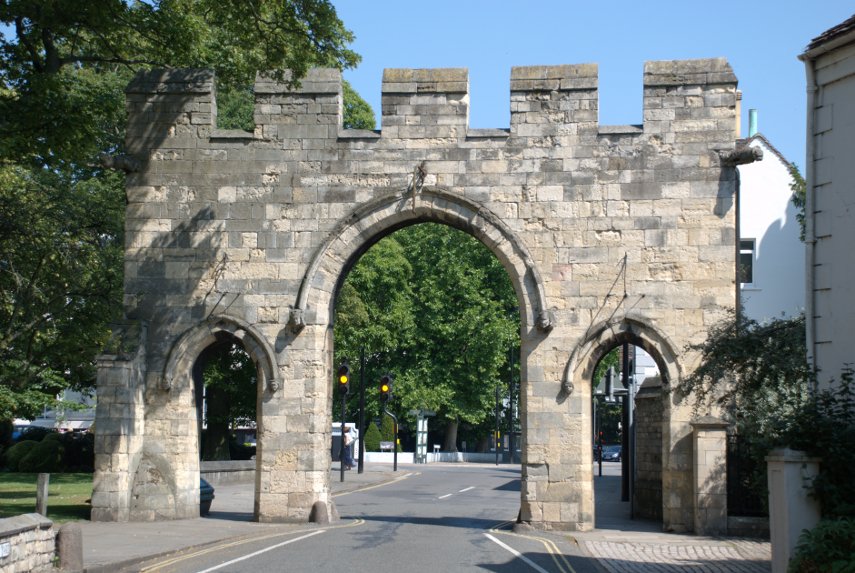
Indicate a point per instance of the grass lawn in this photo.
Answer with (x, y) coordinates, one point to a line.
(68, 495)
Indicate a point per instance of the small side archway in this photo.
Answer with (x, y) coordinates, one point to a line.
(655, 424)
(604, 336)
(180, 438)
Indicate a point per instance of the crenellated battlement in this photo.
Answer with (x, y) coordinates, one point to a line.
(434, 103)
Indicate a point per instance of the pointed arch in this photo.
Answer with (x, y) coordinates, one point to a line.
(194, 340)
(370, 222)
(605, 335)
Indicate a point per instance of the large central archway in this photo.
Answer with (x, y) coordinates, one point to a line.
(311, 323)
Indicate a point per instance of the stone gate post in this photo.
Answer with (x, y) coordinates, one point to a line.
(709, 441)
(791, 509)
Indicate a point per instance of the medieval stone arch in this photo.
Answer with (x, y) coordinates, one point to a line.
(186, 350)
(257, 229)
(662, 446)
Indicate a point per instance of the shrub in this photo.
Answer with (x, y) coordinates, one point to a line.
(36, 433)
(55, 436)
(16, 453)
(240, 451)
(387, 431)
(6, 430)
(372, 438)
(830, 546)
(45, 457)
(79, 452)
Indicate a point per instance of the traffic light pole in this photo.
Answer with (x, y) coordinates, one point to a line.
(341, 449)
(394, 440)
(360, 466)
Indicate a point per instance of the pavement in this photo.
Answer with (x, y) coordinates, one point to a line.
(617, 543)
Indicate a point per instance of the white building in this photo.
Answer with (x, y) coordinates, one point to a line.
(830, 210)
(771, 254)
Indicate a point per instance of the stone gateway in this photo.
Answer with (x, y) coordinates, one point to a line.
(609, 234)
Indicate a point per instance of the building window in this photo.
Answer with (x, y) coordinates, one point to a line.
(745, 270)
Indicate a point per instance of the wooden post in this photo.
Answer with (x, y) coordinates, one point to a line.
(42, 494)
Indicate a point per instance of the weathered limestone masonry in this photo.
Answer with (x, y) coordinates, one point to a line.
(608, 234)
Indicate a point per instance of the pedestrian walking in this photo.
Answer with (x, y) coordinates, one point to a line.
(347, 458)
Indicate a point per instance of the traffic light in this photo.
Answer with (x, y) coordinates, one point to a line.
(343, 378)
(386, 388)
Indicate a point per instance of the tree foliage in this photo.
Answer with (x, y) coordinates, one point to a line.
(230, 397)
(63, 68)
(760, 375)
(751, 368)
(799, 198)
(434, 307)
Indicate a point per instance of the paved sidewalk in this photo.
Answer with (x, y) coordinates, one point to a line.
(113, 547)
(622, 545)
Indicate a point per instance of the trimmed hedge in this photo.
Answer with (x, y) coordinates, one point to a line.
(16, 453)
(45, 457)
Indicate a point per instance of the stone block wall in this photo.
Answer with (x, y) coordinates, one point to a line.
(647, 490)
(606, 233)
(30, 541)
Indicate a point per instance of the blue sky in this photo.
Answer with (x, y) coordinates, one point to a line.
(761, 39)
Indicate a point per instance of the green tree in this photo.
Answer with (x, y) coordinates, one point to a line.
(357, 113)
(64, 67)
(434, 307)
(799, 189)
(757, 371)
(467, 319)
(372, 438)
(230, 397)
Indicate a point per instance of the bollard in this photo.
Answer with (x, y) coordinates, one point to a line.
(42, 494)
(69, 547)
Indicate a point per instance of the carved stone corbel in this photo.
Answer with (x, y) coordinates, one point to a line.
(296, 320)
(741, 156)
(545, 320)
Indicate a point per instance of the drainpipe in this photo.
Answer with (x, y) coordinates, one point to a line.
(738, 231)
(752, 122)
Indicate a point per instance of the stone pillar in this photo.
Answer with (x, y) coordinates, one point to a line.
(709, 441)
(791, 509)
(119, 423)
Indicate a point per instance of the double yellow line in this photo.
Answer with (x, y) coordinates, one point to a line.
(243, 541)
(561, 562)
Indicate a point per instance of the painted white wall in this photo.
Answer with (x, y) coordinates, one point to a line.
(768, 216)
(831, 194)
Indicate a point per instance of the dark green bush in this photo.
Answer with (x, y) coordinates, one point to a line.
(45, 457)
(16, 453)
(6, 430)
(36, 433)
(240, 451)
(828, 547)
(79, 452)
(372, 438)
(56, 436)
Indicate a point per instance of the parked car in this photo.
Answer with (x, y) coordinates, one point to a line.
(206, 497)
(611, 453)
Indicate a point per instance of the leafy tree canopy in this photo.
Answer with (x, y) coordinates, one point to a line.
(63, 69)
(433, 306)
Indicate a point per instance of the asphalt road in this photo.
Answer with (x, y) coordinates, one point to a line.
(441, 518)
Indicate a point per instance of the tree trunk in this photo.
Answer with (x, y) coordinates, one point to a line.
(483, 444)
(450, 444)
(215, 446)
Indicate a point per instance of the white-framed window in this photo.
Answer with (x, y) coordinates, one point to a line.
(745, 262)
